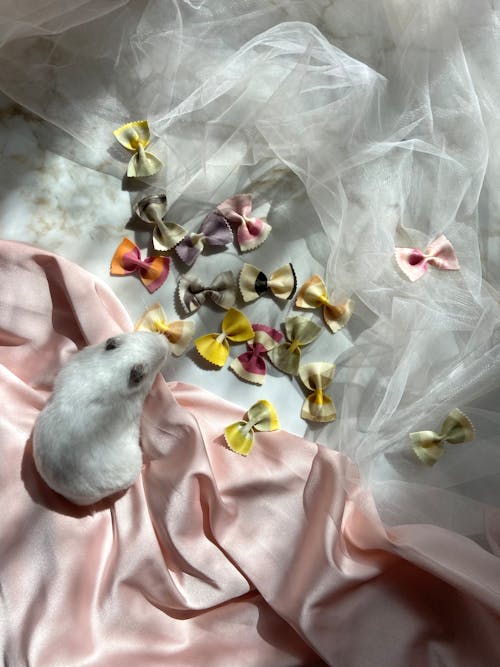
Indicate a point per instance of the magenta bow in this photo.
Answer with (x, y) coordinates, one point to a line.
(414, 263)
(251, 365)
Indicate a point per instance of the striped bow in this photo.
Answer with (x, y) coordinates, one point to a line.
(239, 436)
(153, 271)
(313, 294)
(135, 137)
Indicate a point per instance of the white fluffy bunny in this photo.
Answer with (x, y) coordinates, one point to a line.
(86, 439)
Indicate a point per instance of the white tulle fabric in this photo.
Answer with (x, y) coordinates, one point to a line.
(392, 133)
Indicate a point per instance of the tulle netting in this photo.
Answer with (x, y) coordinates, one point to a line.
(385, 115)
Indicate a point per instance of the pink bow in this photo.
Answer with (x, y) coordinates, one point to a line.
(251, 365)
(251, 231)
(414, 263)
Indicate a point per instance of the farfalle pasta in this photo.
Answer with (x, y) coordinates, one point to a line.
(214, 232)
(127, 260)
(214, 347)
(152, 209)
(317, 377)
(251, 365)
(313, 294)
(299, 331)
(193, 292)
(135, 136)
(262, 416)
(456, 429)
(254, 283)
(251, 231)
(179, 333)
(439, 254)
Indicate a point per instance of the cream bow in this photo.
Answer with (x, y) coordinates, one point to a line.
(313, 294)
(135, 137)
(429, 446)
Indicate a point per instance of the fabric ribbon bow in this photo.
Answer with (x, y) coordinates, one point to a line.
(215, 347)
(429, 446)
(135, 137)
(317, 376)
(152, 209)
(299, 331)
(153, 271)
(251, 365)
(193, 293)
(214, 231)
(252, 232)
(414, 263)
(313, 294)
(262, 416)
(179, 333)
(253, 282)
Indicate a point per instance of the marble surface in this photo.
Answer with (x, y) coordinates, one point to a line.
(82, 213)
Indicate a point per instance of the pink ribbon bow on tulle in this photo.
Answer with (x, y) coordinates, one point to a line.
(251, 231)
(414, 263)
(251, 365)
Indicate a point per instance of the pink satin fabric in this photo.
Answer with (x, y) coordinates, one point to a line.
(211, 558)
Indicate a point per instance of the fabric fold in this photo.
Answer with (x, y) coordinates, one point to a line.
(210, 558)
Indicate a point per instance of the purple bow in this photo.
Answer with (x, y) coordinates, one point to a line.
(214, 231)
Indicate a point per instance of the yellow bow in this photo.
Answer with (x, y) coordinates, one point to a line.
(429, 446)
(299, 331)
(313, 294)
(262, 416)
(317, 376)
(179, 333)
(215, 347)
(135, 137)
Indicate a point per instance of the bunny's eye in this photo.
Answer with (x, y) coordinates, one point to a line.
(112, 343)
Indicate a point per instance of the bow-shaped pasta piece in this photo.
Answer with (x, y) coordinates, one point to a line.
(152, 209)
(262, 416)
(317, 376)
(299, 331)
(178, 333)
(153, 271)
(251, 365)
(193, 293)
(429, 446)
(214, 231)
(252, 232)
(440, 254)
(253, 282)
(313, 294)
(135, 137)
(215, 347)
